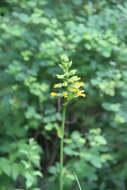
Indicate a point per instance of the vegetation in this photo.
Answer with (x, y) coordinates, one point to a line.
(93, 35)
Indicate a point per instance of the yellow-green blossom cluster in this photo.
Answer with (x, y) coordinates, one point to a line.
(70, 87)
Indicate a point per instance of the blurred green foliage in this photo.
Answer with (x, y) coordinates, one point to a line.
(34, 34)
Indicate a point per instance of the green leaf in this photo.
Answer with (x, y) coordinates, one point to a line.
(16, 170)
(60, 132)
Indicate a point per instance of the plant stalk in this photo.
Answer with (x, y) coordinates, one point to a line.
(62, 146)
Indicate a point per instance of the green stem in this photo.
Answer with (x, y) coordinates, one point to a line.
(62, 146)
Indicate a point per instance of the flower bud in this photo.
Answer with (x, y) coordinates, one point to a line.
(64, 58)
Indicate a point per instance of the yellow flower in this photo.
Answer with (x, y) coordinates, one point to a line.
(65, 84)
(73, 89)
(53, 94)
(57, 85)
(81, 93)
(65, 94)
(79, 83)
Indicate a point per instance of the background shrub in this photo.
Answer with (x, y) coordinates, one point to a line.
(34, 34)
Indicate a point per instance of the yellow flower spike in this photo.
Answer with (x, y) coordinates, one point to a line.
(65, 94)
(53, 94)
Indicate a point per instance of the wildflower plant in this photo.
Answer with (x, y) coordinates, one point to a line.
(69, 88)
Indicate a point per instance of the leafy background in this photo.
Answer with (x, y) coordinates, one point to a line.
(33, 35)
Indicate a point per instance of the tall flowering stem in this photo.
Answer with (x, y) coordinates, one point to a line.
(69, 89)
(61, 147)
